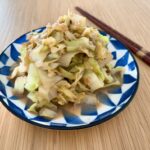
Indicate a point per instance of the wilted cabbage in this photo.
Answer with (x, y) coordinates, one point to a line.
(66, 63)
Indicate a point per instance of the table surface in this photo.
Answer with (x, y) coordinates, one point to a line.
(130, 130)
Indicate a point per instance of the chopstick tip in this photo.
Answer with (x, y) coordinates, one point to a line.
(77, 8)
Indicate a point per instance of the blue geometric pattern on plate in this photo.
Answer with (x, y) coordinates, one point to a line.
(4, 58)
(88, 110)
(112, 101)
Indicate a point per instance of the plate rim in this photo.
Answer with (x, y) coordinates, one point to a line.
(98, 122)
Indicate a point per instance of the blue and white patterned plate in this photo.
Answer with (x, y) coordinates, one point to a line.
(112, 101)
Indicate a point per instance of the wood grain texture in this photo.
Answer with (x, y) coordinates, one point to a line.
(130, 130)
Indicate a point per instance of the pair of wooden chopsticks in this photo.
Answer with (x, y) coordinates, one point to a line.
(134, 47)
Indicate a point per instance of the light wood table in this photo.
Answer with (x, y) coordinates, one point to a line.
(130, 130)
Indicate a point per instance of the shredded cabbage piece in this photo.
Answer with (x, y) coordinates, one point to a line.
(92, 81)
(65, 59)
(33, 97)
(19, 84)
(83, 42)
(48, 113)
(68, 62)
(66, 74)
(33, 79)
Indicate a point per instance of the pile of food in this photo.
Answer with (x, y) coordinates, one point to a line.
(66, 63)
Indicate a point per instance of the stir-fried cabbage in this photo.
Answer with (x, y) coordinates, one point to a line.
(65, 63)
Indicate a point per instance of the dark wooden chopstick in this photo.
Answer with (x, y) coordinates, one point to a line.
(134, 47)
